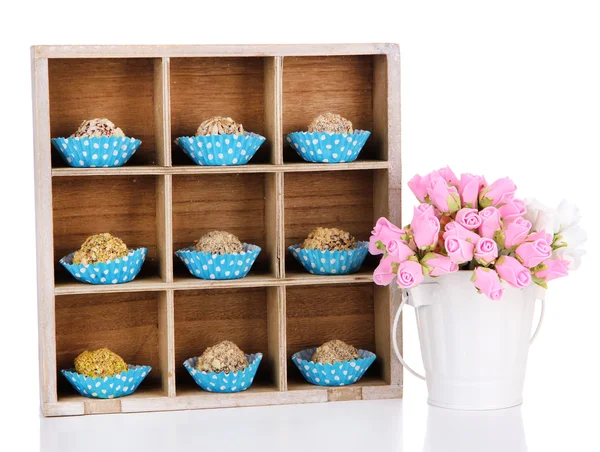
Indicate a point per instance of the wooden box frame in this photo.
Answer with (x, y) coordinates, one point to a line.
(167, 90)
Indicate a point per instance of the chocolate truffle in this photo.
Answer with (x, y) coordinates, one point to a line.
(223, 357)
(334, 351)
(329, 239)
(100, 248)
(330, 123)
(96, 128)
(220, 125)
(100, 363)
(219, 242)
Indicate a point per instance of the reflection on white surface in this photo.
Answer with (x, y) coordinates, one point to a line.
(344, 426)
(475, 431)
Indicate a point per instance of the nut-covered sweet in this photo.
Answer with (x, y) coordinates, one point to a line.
(222, 357)
(100, 248)
(332, 239)
(100, 363)
(96, 128)
(219, 242)
(220, 125)
(330, 123)
(334, 351)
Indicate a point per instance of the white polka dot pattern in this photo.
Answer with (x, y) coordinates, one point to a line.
(331, 262)
(221, 150)
(222, 382)
(117, 271)
(116, 386)
(343, 373)
(101, 152)
(219, 266)
(318, 147)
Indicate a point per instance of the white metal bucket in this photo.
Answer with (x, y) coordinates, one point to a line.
(474, 349)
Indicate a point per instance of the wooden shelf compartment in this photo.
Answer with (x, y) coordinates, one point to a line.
(131, 208)
(128, 91)
(243, 88)
(130, 324)
(249, 317)
(354, 86)
(358, 314)
(345, 200)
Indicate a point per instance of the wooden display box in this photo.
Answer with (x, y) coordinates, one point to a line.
(162, 201)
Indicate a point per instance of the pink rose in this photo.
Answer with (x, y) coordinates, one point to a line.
(399, 250)
(384, 273)
(410, 274)
(498, 193)
(516, 232)
(468, 218)
(540, 235)
(469, 188)
(511, 271)
(533, 253)
(447, 174)
(418, 187)
(459, 250)
(490, 222)
(425, 227)
(445, 198)
(488, 283)
(383, 232)
(554, 269)
(512, 210)
(438, 265)
(486, 251)
(453, 229)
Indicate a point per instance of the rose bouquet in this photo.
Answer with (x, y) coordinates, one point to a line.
(468, 224)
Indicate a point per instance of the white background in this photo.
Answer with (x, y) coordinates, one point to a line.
(506, 88)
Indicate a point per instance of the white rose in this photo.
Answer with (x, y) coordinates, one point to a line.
(573, 236)
(542, 218)
(571, 255)
(568, 214)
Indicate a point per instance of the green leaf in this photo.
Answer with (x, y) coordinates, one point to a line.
(499, 239)
(539, 281)
(380, 246)
(473, 276)
(453, 202)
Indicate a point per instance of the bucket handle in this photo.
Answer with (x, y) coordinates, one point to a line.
(397, 320)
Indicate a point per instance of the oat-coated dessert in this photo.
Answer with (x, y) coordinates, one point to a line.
(96, 128)
(220, 125)
(100, 248)
(100, 363)
(332, 239)
(222, 357)
(334, 351)
(330, 123)
(219, 242)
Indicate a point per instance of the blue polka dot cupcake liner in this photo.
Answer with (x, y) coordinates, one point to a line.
(319, 147)
(328, 262)
(225, 382)
(221, 150)
(219, 266)
(117, 271)
(118, 385)
(96, 152)
(342, 373)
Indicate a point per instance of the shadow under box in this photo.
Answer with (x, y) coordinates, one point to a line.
(206, 317)
(227, 202)
(206, 87)
(126, 323)
(120, 89)
(317, 314)
(121, 205)
(340, 199)
(313, 85)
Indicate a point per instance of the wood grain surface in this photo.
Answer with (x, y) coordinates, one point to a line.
(205, 87)
(126, 323)
(121, 90)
